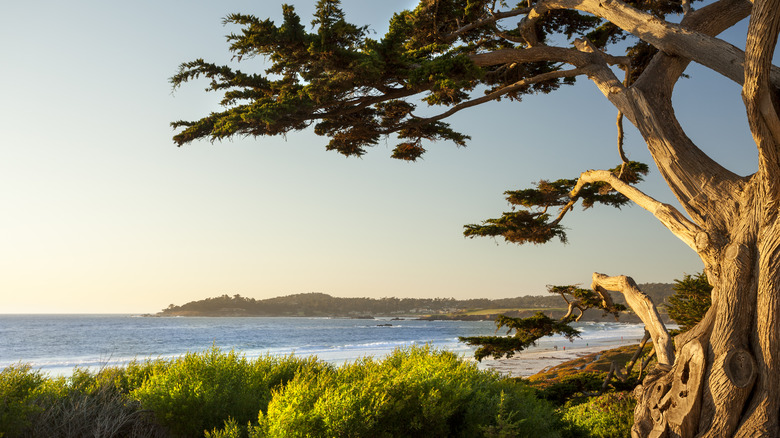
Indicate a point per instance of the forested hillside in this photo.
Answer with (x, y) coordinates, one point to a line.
(320, 304)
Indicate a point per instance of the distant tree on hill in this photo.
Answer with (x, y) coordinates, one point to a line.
(691, 300)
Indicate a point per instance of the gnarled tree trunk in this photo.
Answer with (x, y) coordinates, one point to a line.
(728, 379)
(725, 380)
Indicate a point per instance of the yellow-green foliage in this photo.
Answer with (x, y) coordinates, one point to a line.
(135, 373)
(200, 391)
(19, 387)
(607, 416)
(25, 394)
(85, 404)
(416, 392)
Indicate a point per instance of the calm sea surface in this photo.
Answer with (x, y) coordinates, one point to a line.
(58, 343)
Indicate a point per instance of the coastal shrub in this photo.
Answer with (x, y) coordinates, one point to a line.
(19, 388)
(562, 389)
(414, 392)
(200, 391)
(85, 404)
(331, 403)
(133, 375)
(232, 429)
(609, 415)
(89, 406)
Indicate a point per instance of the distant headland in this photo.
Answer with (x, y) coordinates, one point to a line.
(323, 305)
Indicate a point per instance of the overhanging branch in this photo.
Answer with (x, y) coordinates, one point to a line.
(571, 56)
(498, 94)
(491, 19)
(694, 177)
(671, 38)
(643, 306)
(669, 216)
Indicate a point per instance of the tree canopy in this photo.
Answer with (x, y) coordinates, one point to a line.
(452, 54)
(445, 56)
(354, 89)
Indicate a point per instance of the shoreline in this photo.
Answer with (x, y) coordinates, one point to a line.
(64, 342)
(527, 363)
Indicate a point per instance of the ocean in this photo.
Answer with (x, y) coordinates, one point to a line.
(56, 344)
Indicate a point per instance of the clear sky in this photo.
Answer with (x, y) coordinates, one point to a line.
(101, 212)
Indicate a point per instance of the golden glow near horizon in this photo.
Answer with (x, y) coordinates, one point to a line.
(102, 213)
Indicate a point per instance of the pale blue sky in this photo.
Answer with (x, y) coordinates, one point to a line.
(102, 213)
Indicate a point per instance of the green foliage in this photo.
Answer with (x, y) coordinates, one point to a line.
(414, 392)
(526, 332)
(564, 388)
(85, 404)
(583, 299)
(100, 410)
(610, 415)
(691, 300)
(200, 391)
(519, 227)
(328, 78)
(232, 429)
(133, 375)
(19, 387)
(417, 392)
(338, 80)
(529, 220)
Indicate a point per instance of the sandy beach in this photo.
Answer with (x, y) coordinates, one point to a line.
(529, 362)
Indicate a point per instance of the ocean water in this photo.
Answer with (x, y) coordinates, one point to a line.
(56, 344)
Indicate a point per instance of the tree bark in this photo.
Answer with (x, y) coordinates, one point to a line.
(723, 377)
(644, 308)
(725, 380)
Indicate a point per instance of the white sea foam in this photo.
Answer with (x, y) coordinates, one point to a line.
(58, 343)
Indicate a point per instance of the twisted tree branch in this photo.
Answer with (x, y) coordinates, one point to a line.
(494, 95)
(491, 19)
(669, 216)
(644, 308)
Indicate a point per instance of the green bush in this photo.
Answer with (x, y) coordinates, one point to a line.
(415, 392)
(85, 404)
(19, 388)
(610, 415)
(562, 389)
(100, 411)
(133, 375)
(233, 430)
(200, 391)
